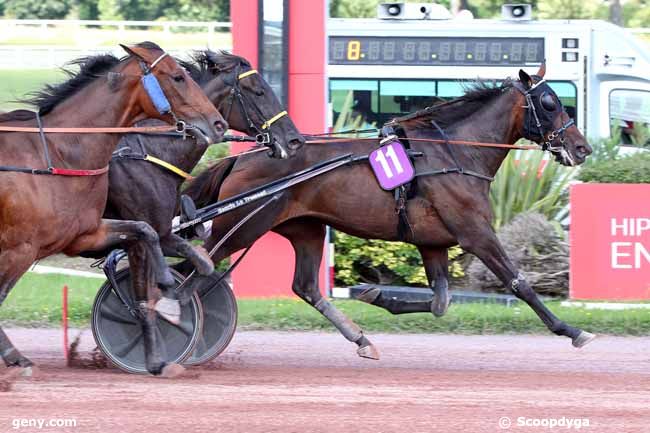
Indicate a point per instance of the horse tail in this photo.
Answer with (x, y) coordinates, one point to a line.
(204, 189)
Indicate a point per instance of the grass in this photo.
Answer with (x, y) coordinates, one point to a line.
(17, 84)
(36, 301)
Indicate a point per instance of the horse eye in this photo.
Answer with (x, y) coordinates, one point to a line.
(179, 78)
(547, 101)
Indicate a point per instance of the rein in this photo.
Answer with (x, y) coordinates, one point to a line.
(431, 140)
(98, 130)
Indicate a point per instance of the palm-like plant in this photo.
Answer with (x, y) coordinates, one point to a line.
(528, 182)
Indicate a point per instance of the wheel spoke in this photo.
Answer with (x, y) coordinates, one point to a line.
(124, 349)
(118, 316)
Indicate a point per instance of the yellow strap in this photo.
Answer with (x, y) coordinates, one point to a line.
(269, 122)
(247, 74)
(168, 166)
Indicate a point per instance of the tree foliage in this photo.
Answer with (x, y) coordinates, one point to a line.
(36, 9)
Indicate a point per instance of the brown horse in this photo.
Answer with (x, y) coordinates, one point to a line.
(143, 191)
(42, 215)
(448, 203)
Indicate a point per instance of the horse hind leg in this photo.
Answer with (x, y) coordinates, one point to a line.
(14, 263)
(435, 264)
(174, 245)
(307, 241)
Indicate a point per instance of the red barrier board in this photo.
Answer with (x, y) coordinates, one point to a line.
(610, 241)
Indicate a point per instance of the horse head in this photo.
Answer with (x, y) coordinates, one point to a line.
(169, 93)
(547, 123)
(246, 99)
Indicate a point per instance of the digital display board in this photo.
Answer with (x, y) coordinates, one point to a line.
(435, 51)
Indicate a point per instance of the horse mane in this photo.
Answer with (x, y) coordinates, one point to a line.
(445, 114)
(203, 63)
(90, 68)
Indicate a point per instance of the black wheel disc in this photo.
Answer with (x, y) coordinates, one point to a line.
(119, 335)
(219, 320)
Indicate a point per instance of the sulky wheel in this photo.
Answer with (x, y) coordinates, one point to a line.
(219, 320)
(119, 336)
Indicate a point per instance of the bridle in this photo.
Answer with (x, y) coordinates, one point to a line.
(264, 132)
(540, 130)
(157, 95)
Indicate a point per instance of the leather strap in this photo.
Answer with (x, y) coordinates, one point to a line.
(100, 130)
(247, 74)
(273, 119)
(168, 166)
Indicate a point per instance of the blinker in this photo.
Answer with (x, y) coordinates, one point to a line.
(547, 102)
(156, 94)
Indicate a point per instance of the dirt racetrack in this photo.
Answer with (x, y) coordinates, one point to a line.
(314, 382)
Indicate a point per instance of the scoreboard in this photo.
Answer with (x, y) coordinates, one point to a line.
(435, 51)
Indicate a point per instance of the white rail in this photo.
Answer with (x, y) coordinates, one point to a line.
(167, 26)
(87, 37)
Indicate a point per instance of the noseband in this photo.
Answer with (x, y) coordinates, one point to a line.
(264, 133)
(536, 127)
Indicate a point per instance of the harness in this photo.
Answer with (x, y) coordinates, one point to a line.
(158, 99)
(264, 133)
(534, 125)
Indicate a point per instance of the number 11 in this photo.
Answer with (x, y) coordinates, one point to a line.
(390, 153)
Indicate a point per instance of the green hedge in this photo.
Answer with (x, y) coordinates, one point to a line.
(374, 261)
(630, 169)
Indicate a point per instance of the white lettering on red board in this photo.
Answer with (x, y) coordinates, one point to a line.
(635, 253)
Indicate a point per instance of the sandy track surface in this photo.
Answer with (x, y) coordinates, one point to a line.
(314, 382)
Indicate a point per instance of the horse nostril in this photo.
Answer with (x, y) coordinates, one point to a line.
(220, 126)
(582, 151)
(296, 143)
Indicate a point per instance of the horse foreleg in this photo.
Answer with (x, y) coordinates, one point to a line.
(484, 244)
(14, 262)
(114, 233)
(435, 264)
(148, 266)
(307, 241)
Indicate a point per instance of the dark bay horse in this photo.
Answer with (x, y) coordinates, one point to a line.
(143, 191)
(41, 215)
(443, 209)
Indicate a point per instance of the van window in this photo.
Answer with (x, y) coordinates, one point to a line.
(366, 103)
(629, 113)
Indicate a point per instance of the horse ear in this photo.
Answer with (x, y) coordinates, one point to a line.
(542, 69)
(525, 78)
(138, 52)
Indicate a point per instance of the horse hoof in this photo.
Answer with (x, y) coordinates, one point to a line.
(204, 265)
(369, 295)
(171, 371)
(26, 371)
(583, 339)
(368, 352)
(439, 305)
(169, 309)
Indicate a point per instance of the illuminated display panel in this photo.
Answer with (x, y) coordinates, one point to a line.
(443, 51)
